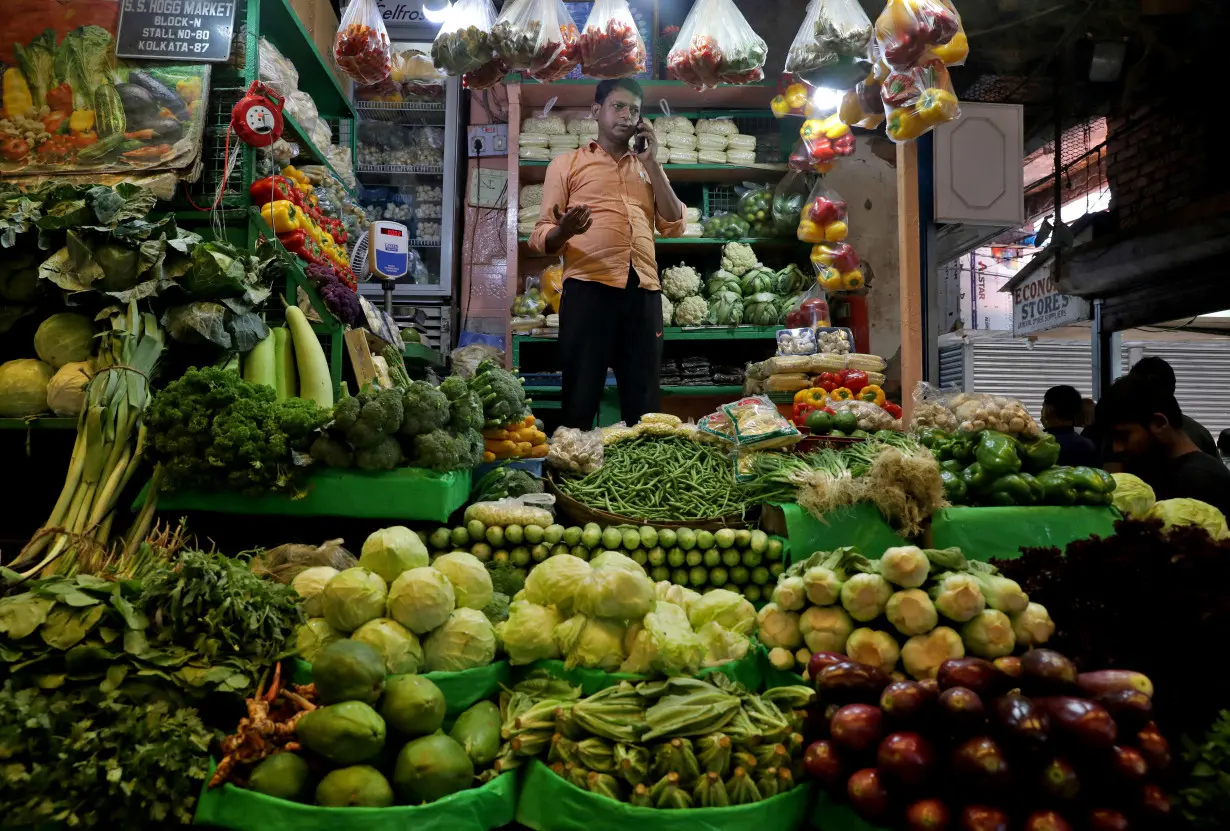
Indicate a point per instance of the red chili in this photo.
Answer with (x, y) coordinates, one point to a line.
(612, 52)
(363, 53)
(556, 58)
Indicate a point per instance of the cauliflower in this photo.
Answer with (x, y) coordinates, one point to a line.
(738, 258)
(668, 310)
(691, 311)
(680, 281)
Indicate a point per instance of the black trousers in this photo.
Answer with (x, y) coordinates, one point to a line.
(603, 326)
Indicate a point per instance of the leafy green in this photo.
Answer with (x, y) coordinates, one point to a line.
(91, 759)
(37, 62)
(1206, 800)
(85, 60)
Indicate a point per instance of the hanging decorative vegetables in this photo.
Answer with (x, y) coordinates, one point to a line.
(611, 46)
(486, 76)
(906, 29)
(555, 57)
(917, 100)
(464, 43)
(716, 46)
(361, 48)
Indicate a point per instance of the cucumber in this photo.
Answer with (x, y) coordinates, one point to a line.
(259, 366)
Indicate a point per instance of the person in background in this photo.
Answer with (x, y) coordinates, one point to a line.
(1144, 427)
(1061, 411)
(1087, 413)
(1157, 372)
(600, 206)
(1223, 445)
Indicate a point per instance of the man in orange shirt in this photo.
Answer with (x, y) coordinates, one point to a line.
(600, 206)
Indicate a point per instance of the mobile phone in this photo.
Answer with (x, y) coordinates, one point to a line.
(641, 143)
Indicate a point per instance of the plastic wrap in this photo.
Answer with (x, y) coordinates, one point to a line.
(533, 140)
(906, 29)
(931, 409)
(534, 153)
(799, 160)
(611, 46)
(575, 451)
(955, 51)
(544, 124)
(796, 341)
(361, 48)
(585, 126)
(792, 382)
(682, 156)
(810, 310)
(536, 36)
(712, 157)
(720, 126)
(530, 195)
(977, 412)
(740, 157)
(711, 141)
(824, 216)
(826, 139)
(740, 141)
(837, 266)
(681, 141)
(715, 46)
(278, 73)
(566, 142)
(693, 230)
(691, 215)
(834, 32)
(757, 423)
(789, 196)
(918, 99)
(861, 106)
(832, 341)
(866, 362)
(784, 365)
(673, 124)
(871, 417)
(463, 43)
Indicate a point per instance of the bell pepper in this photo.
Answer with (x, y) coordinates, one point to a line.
(854, 379)
(829, 278)
(809, 231)
(871, 394)
(796, 96)
(81, 121)
(273, 189)
(841, 394)
(903, 125)
(936, 106)
(844, 145)
(976, 478)
(836, 231)
(812, 129)
(820, 150)
(996, 452)
(1094, 486)
(825, 211)
(840, 255)
(1013, 489)
(800, 411)
(954, 52)
(962, 448)
(1058, 486)
(853, 280)
(952, 465)
(892, 409)
(780, 108)
(941, 449)
(1039, 454)
(282, 216)
(955, 490)
(828, 381)
(928, 437)
(816, 396)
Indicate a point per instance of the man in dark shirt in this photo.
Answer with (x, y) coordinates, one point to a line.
(1061, 409)
(1143, 424)
(1156, 371)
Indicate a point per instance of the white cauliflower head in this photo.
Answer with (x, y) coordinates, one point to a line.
(680, 281)
(738, 258)
(668, 310)
(691, 311)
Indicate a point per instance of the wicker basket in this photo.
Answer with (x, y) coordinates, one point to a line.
(581, 514)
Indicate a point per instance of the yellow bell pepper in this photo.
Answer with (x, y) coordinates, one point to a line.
(814, 396)
(828, 278)
(796, 96)
(812, 129)
(809, 231)
(852, 280)
(834, 127)
(81, 120)
(835, 232)
(293, 173)
(282, 216)
(189, 89)
(312, 229)
(779, 106)
(17, 98)
(955, 51)
(903, 125)
(936, 106)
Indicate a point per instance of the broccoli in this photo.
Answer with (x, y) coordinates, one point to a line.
(425, 408)
(497, 610)
(441, 451)
(346, 410)
(466, 413)
(454, 387)
(384, 455)
(501, 393)
(506, 578)
(380, 415)
(332, 452)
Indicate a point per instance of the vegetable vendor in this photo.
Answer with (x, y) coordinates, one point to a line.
(1061, 408)
(1145, 427)
(600, 206)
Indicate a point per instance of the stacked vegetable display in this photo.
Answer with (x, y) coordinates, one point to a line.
(745, 290)
(1024, 743)
(293, 212)
(682, 743)
(912, 606)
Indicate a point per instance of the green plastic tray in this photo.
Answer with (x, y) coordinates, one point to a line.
(408, 493)
(986, 533)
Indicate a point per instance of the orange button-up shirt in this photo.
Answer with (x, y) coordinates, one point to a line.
(621, 205)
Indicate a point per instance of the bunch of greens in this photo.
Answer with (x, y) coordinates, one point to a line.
(210, 430)
(89, 759)
(224, 287)
(55, 206)
(1206, 800)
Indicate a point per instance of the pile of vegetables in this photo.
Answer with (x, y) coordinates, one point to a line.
(913, 606)
(519, 440)
(1181, 572)
(682, 743)
(994, 468)
(340, 298)
(419, 614)
(1027, 743)
(350, 721)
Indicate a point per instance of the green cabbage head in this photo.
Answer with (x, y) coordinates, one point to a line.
(1174, 512)
(731, 611)
(527, 634)
(1132, 496)
(421, 599)
(352, 598)
(470, 578)
(465, 641)
(554, 581)
(402, 653)
(390, 551)
(64, 338)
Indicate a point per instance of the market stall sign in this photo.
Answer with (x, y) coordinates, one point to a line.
(176, 30)
(1037, 305)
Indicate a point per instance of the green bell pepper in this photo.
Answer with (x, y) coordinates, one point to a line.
(952, 466)
(996, 452)
(976, 478)
(954, 488)
(1076, 486)
(1093, 479)
(928, 437)
(1035, 487)
(1040, 454)
(1012, 489)
(1058, 486)
(961, 448)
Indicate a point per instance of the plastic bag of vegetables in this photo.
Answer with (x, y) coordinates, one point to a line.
(362, 49)
(727, 226)
(464, 42)
(788, 198)
(823, 218)
(830, 44)
(538, 36)
(756, 206)
(716, 46)
(918, 99)
(611, 46)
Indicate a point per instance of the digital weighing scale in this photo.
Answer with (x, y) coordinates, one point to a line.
(388, 255)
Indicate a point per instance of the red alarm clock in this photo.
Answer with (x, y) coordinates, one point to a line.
(257, 117)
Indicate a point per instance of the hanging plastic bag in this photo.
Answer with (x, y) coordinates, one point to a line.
(788, 198)
(955, 51)
(861, 106)
(486, 76)
(537, 37)
(826, 138)
(716, 46)
(917, 100)
(791, 98)
(756, 206)
(810, 310)
(830, 44)
(464, 41)
(838, 267)
(361, 48)
(906, 29)
(800, 160)
(556, 55)
(611, 46)
(824, 216)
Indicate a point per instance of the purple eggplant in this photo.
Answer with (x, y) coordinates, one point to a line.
(1024, 724)
(857, 727)
(1046, 672)
(1085, 722)
(824, 764)
(1059, 780)
(868, 795)
(1113, 680)
(981, 763)
(905, 759)
(1154, 747)
(905, 702)
(849, 681)
(983, 818)
(1131, 709)
(1129, 765)
(972, 673)
(962, 710)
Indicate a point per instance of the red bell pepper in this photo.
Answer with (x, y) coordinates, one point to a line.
(296, 242)
(854, 380)
(798, 413)
(828, 381)
(844, 145)
(892, 409)
(273, 188)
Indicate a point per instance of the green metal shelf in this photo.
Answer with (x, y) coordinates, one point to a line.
(690, 333)
(279, 23)
(309, 150)
(421, 353)
(38, 423)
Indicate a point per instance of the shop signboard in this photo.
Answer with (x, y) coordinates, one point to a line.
(176, 30)
(1037, 305)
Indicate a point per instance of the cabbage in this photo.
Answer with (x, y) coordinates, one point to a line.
(23, 387)
(470, 578)
(554, 581)
(352, 598)
(721, 645)
(616, 593)
(64, 338)
(314, 635)
(309, 583)
(679, 595)
(1133, 497)
(616, 559)
(66, 391)
(641, 649)
(421, 599)
(395, 643)
(589, 642)
(1174, 512)
(390, 551)
(527, 633)
(732, 611)
(465, 641)
(679, 650)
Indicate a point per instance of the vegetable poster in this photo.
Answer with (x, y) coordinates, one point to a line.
(67, 105)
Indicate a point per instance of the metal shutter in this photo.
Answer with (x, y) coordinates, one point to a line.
(1202, 369)
(1014, 368)
(952, 366)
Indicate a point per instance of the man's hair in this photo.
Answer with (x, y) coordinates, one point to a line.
(1223, 442)
(1064, 401)
(1156, 371)
(607, 87)
(1134, 399)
